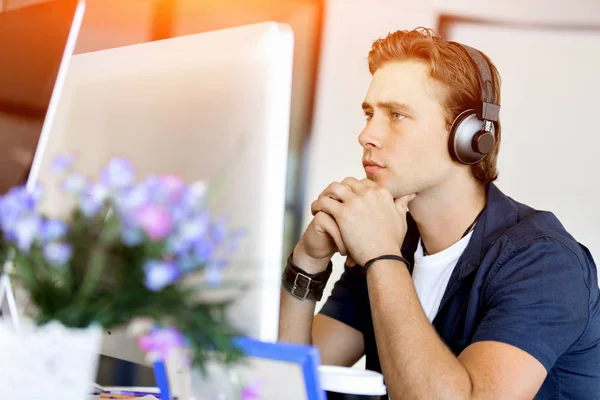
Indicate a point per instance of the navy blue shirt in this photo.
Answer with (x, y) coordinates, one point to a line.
(522, 280)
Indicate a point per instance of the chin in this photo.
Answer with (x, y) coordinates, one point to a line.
(392, 183)
(397, 191)
(385, 183)
(379, 179)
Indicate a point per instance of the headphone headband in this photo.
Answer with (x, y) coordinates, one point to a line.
(489, 111)
(473, 132)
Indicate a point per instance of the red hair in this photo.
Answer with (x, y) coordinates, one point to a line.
(451, 66)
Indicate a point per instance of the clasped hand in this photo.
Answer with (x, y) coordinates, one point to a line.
(370, 221)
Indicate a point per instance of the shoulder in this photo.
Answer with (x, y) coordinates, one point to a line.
(543, 227)
(539, 245)
(537, 288)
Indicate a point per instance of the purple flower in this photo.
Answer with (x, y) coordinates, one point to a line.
(133, 197)
(75, 183)
(161, 342)
(218, 230)
(33, 197)
(93, 199)
(62, 163)
(177, 245)
(252, 391)
(57, 253)
(155, 220)
(12, 208)
(89, 207)
(191, 196)
(26, 231)
(19, 200)
(37, 193)
(159, 274)
(118, 173)
(172, 185)
(97, 192)
(193, 229)
(53, 229)
(152, 183)
(214, 272)
(204, 250)
(180, 213)
(190, 231)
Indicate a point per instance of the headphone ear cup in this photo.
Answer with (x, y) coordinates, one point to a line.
(457, 130)
(467, 137)
(484, 142)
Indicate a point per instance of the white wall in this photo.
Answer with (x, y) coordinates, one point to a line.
(548, 154)
(352, 25)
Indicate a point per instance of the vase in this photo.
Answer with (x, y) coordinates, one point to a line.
(47, 362)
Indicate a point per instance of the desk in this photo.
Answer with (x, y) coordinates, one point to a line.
(98, 397)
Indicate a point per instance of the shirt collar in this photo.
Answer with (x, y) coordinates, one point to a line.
(500, 213)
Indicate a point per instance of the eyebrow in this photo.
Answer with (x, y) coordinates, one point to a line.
(389, 105)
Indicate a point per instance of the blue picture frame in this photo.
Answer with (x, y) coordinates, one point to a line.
(307, 357)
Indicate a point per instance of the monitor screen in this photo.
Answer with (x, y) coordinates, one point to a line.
(33, 44)
(212, 107)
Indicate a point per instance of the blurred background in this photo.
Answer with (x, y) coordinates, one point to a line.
(548, 54)
(115, 23)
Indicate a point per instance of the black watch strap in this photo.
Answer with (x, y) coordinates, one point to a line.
(303, 285)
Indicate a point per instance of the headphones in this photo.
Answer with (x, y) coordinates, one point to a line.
(473, 132)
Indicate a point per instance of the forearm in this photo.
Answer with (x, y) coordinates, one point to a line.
(295, 319)
(295, 315)
(415, 361)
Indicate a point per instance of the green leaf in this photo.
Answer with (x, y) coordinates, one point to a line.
(96, 268)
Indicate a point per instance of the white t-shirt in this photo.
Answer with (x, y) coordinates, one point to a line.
(431, 274)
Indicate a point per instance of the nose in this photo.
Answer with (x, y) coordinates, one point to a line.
(371, 137)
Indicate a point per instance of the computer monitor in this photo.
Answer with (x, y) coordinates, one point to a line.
(208, 106)
(36, 44)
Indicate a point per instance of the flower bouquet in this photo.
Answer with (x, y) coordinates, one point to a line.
(122, 255)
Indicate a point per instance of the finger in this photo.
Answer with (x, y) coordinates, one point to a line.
(369, 183)
(402, 202)
(350, 261)
(326, 204)
(326, 224)
(337, 191)
(354, 184)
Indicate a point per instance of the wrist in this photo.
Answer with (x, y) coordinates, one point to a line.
(308, 263)
(380, 252)
(387, 259)
(302, 284)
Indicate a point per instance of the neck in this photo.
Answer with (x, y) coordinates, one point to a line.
(444, 213)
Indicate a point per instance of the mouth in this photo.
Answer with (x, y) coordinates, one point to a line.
(371, 167)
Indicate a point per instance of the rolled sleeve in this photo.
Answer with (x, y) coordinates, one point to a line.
(343, 303)
(537, 300)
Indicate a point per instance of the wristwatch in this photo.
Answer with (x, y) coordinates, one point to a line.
(303, 285)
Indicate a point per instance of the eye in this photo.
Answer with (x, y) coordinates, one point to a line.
(397, 116)
(368, 116)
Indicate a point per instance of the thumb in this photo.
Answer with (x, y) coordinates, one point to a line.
(402, 202)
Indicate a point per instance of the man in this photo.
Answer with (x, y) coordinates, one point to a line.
(477, 296)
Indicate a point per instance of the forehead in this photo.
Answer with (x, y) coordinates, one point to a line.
(406, 82)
